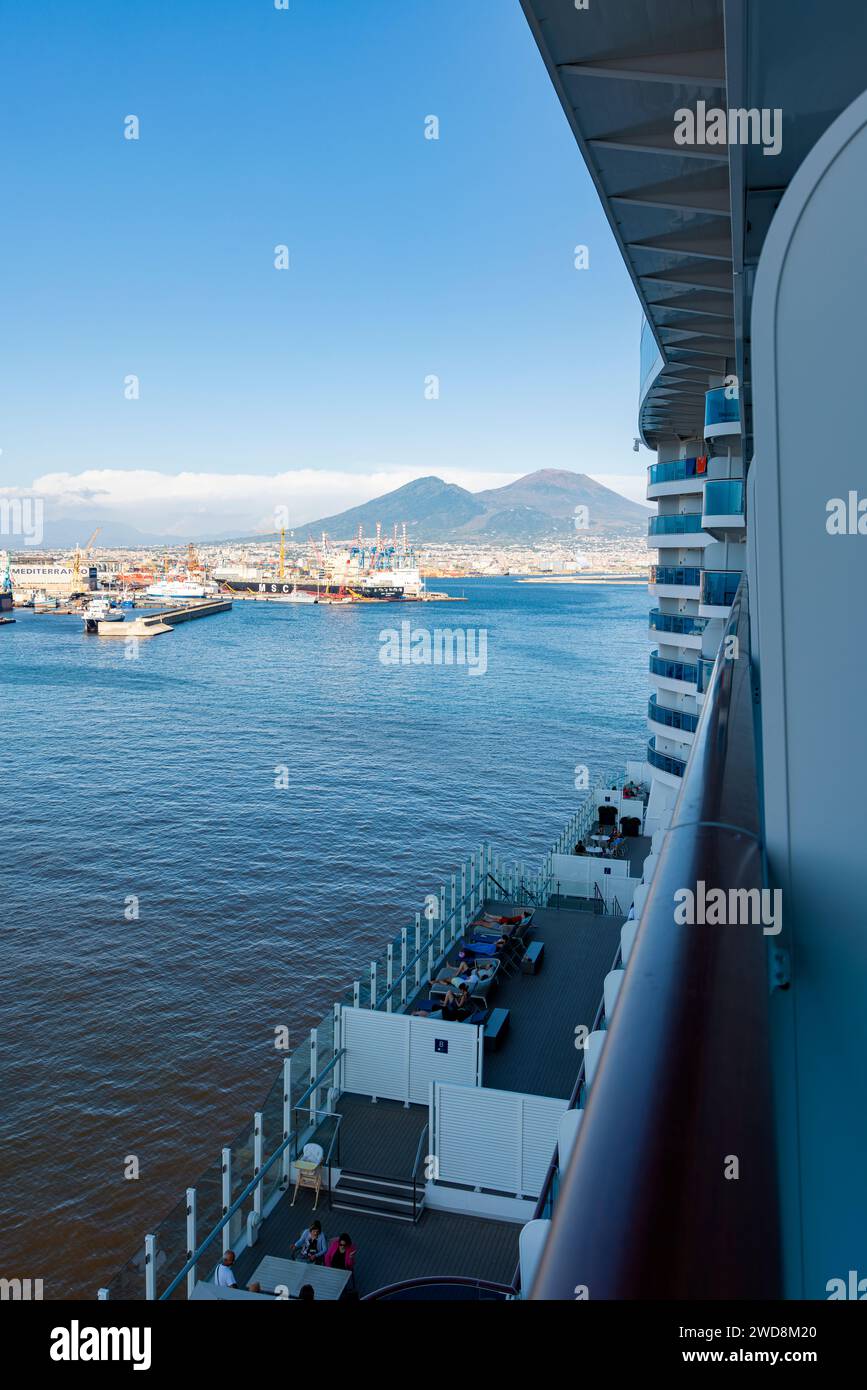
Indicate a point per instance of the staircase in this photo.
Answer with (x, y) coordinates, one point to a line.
(374, 1196)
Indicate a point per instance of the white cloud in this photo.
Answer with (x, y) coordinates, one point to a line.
(198, 504)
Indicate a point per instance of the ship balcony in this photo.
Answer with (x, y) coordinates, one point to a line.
(671, 723)
(676, 478)
(687, 629)
(666, 763)
(670, 530)
(722, 414)
(675, 581)
(681, 677)
(722, 512)
(717, 592)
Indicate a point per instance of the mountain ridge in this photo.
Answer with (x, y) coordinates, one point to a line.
(536, 507)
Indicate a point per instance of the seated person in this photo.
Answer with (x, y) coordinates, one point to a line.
(341, 1253)
(579, 848)
(311, 1245)
(457, 1007)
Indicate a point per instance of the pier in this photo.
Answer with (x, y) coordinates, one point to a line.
(152, 624)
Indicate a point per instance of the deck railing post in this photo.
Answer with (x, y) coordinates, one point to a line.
(417, 949)
(226, 1170)
(454, 905)
(258, 1159)
(314, 1071)
(404, 958)
(150, 1268)
(356, 994)
(191, 1237)
(473, 882)
(389, 975)
(287, 1116)
(372, 1004)
(443, 918)
(430, 948)
(337, 1082)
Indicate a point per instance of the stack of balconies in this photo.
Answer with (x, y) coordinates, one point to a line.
(698, 533)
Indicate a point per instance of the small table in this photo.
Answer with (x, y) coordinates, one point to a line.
(292, 1275)
(593, 849)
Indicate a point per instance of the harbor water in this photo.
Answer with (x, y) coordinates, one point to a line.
(211, 838)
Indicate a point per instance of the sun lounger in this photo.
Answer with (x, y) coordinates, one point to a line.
(487, 975)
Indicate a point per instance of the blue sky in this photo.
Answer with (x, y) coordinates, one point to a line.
(409, 257)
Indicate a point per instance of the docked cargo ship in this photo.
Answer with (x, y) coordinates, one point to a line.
(365, 572)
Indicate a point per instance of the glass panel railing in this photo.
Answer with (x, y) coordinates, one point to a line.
(724, 497)
(664, 761)
(676, 470)
(681, 623)
(675, 574)
(674, 525)
(705, 671)
(671, 718)
(651, 363)
(673, 670)
(721, 408)
(718, 587)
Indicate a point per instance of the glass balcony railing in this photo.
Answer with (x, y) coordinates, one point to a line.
(720, 408)
(676, 470)
(664, 761)
(675, 574)
(674, 525)
(681, 623)
(718, 587)
(650, 359)
(673, 670)
(705, 671)
(724, 497)
(671, 718)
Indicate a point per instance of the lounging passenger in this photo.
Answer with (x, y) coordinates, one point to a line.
(466, 974)
(310, 1245)
(456, 1007)
(579, 848)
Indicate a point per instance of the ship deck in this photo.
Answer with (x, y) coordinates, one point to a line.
(538, 1056)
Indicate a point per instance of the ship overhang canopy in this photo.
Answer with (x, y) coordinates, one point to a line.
(622, 72)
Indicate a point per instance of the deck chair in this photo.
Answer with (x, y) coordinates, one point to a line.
(308, 1169)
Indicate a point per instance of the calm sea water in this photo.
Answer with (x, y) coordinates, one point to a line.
(155, 778)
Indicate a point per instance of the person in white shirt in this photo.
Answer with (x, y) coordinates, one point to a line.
(224, 1275)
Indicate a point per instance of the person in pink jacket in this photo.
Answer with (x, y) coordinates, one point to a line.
(341, 1253)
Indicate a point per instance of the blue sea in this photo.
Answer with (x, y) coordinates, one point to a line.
(153, 785)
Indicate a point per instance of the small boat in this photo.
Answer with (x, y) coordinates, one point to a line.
(44, 603)
(100, 610)
(296, 595)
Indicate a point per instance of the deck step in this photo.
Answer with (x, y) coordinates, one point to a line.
(376, 1196)
(370, 1183)
(371, 1211)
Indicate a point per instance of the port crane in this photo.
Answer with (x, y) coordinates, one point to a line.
(80, 553)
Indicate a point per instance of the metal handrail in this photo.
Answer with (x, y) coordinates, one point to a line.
(421, 1140)
(424, 1281)
(574, 1098)
(644, 1209)
(239, 1201)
